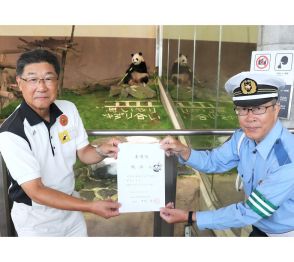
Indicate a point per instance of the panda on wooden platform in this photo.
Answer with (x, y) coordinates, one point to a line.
(137, 72)
(181, 72)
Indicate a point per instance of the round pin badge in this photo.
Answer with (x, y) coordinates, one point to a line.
(63, 120)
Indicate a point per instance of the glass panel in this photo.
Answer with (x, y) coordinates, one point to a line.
(213, 54)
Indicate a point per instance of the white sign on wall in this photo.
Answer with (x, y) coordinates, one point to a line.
(280, 63)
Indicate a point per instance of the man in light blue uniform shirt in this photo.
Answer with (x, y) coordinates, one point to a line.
(263, 152)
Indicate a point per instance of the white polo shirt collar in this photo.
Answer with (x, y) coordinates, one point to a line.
(33, 118)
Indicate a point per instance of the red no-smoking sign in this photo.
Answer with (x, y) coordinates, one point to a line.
(262, 62)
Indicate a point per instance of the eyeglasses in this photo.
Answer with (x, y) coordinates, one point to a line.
(256, 110)
(48, 80)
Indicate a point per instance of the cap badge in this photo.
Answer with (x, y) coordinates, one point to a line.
(63, 120)
(248, 86)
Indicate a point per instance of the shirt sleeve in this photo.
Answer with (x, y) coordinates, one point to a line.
(218, 160)
(262, 203)
(235, 215)
(82, 136)
(13, 147)
(273, 191)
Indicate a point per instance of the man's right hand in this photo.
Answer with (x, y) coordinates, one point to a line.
(172, 215)
(172, 146)
(105, 208)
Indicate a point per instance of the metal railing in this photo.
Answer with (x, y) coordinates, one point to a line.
(160, 227)
(182, 132)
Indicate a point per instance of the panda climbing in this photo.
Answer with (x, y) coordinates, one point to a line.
(137, 72)
(181, 72)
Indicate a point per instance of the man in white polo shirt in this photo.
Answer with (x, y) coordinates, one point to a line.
(39, 143)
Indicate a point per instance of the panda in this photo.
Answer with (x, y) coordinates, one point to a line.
(137, 72)
(181, 72)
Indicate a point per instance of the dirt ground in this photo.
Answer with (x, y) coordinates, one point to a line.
(141, 224)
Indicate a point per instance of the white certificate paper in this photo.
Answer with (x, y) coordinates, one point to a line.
(140, 177)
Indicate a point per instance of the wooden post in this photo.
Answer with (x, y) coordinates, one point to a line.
(6, 94)
(63, 60)
(62, 68)
(6, 225)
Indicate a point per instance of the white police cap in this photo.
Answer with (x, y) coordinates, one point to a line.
(253, 88)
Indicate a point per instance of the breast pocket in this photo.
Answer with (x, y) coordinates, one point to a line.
(246, 179)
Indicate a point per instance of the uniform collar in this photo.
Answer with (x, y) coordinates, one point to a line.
(266, 145)
(33, 118)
